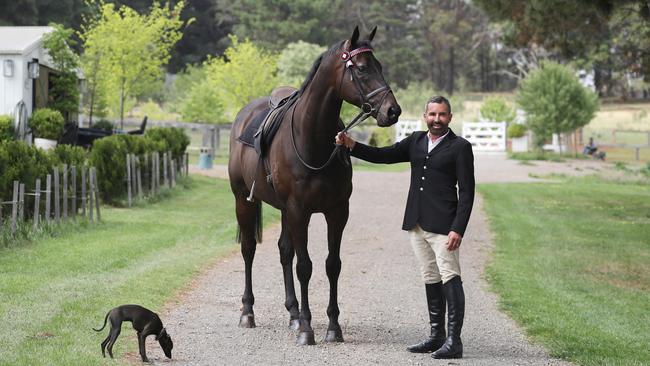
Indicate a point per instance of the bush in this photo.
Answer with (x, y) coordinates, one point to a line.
(103, 124)
(6, 128)
(23, 163)
(47, 123)
(109, 156)
(496, 109)
(555, 102)
(516, 130)
(70, 155)
(382, 136)
(171, 138)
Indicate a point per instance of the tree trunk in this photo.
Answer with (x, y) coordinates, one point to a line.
(450, 89)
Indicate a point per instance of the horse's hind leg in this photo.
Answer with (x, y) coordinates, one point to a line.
(336, 221)
(247, 218)
(286, 258)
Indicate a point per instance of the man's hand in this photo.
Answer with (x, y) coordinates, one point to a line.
(343, 139)
(454, 241)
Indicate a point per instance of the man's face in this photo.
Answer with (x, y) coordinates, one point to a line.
(437, 118)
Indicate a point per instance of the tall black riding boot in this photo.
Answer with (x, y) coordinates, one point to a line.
(436, 305)
(453, 347)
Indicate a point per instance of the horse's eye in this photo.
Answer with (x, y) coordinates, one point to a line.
(362, 68)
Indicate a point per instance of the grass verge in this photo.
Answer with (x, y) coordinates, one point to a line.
(571, 266)
(55, 289)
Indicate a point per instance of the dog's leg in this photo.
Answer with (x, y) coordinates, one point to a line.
(115, 331)
(104, 343)
(141, 343)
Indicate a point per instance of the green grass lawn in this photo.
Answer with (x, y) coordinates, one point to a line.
(571, 265)
(55, 289)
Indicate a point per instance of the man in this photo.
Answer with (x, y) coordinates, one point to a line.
(436, 217)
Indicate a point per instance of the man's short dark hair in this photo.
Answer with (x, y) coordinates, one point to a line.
(440, 100)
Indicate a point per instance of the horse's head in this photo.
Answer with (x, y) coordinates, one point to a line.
(362, 82)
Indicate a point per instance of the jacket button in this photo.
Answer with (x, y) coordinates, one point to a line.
(422, 178)
(425, 167)
(422, 189)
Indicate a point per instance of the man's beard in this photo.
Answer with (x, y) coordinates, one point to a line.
(438, 132)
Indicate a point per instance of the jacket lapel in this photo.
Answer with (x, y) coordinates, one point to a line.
(444, 144)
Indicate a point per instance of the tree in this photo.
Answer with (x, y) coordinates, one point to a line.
(243, 73)
(496, 109)
(132, 48)
(555, 102)
(64, 94)
(296, 60)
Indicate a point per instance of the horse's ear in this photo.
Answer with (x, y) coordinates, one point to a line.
(372, 34)
(355, 36)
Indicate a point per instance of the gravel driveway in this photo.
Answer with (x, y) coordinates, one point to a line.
(381, 296)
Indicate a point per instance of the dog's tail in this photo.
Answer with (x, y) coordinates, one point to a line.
(103, 326)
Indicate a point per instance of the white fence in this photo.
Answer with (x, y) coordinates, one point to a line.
(404, 128)
(485, 136)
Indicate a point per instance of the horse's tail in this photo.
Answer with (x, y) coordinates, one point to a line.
(105, 318)
(258, 223)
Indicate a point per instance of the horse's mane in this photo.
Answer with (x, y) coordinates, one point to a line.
(320, 58)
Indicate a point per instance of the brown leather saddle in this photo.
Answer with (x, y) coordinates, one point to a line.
(260, 132)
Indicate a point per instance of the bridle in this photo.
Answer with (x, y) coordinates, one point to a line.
(367, 109)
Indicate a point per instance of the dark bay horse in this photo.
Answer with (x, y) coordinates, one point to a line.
(300, 177)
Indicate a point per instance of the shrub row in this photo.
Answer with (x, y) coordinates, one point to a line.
(24, 163)
(109, 156)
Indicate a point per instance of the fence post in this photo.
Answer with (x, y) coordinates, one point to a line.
(65, 192)
(96, 191)
(48, 198)
(14, 209)
(134, 176)
(37, 201)
(128, 178)
(144, 170)
(21, 202)
(83, 191)
(74, 192)
(138, 176)
(90, 195)
(637, 153)
(57, 210)
(165, 169)
(187, 164)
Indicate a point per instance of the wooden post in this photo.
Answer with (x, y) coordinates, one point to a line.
(74, 192)
(48, 198)
(128, 178)
(83, 191)
(65, 192)
(145, 166)
(134, 177)
(57, 210)
(165, 169)
(21, 202)
(93, 171)
(173, 173)
(14, 209)
(90, 195)
(169, 164)
(187, 164)
(37, 201)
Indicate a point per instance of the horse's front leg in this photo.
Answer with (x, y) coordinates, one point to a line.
(336, 220)
(297, 223)
(286, 258)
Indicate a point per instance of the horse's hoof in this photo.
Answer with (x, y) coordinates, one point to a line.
(247, 321)
(294, 324)
(334, 336)
(306, 339)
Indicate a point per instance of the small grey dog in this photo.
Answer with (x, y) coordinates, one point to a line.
(145, 322)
